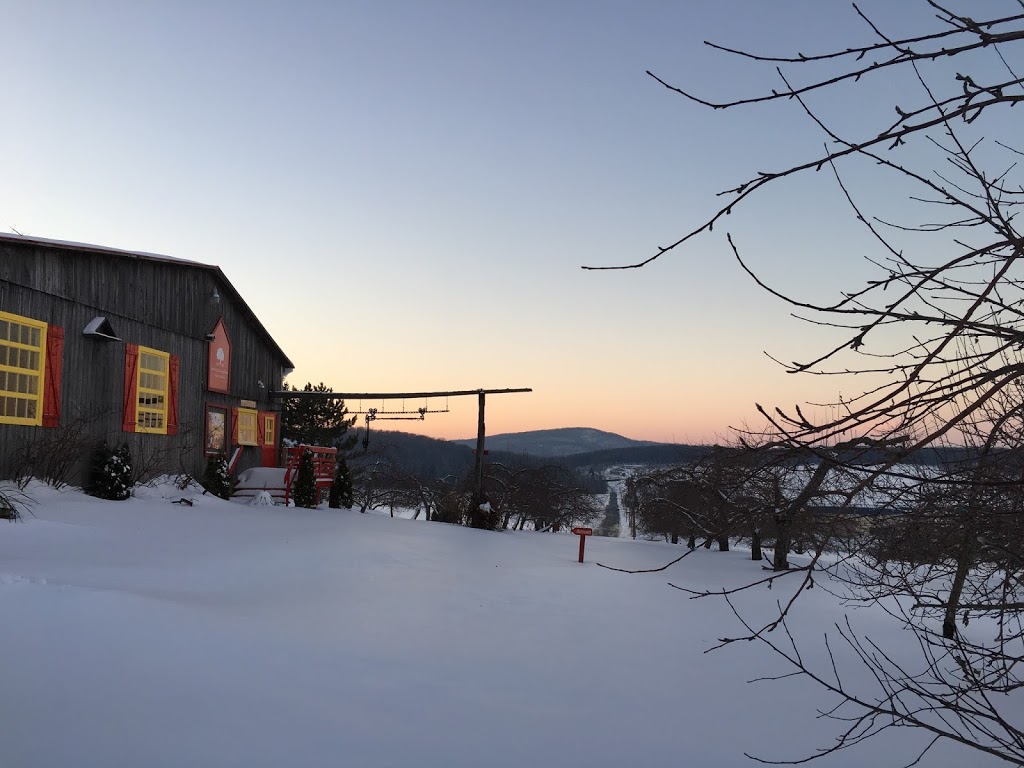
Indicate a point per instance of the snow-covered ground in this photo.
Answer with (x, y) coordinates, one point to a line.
(148, 633)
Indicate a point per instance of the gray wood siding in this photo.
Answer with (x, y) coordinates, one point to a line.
(166, 306)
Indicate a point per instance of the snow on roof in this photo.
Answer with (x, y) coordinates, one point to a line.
(71, 245)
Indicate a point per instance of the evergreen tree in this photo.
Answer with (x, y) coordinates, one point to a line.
(305, 490)
(315, 421)
(111, 473)
(216, 479)
(342, 492)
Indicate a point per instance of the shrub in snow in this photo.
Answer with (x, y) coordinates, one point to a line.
(305, 490)
(482, 515)
(450, 508)
(262, 499)
(8, 509)
(216, 479)
(342, 494)
(111, 475)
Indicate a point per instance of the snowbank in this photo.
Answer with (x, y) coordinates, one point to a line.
(159, 634)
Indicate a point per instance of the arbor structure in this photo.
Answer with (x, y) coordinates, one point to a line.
(933, 342)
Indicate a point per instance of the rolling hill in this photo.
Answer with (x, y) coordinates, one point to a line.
(566, 441)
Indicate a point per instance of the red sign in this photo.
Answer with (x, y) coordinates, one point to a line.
(218, 377)
(583, 533)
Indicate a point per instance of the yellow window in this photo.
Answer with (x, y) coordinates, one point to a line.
(152, 386)
(22, 363)
(268, 430)
(247, 426)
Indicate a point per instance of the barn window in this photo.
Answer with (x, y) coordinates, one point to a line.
(247, 426)
(22, 369)
(152, 392)
(268, 429)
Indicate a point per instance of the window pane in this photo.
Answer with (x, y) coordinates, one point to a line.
(33, 385)
(34, 338)
(3, 354)
(12, 406)
(31, 409)
(152, 362)
(21, 408)
(4, 330)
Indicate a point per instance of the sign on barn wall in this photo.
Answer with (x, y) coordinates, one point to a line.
(219, 367)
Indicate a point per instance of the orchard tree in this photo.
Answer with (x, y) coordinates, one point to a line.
(932, 343)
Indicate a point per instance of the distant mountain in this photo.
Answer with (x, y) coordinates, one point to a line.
(567, 441)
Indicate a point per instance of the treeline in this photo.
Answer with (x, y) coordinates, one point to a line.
(435, 478)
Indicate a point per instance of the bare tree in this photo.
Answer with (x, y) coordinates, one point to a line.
(546, 496)
(937, 335)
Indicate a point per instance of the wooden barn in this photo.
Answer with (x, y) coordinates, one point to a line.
(158, 353)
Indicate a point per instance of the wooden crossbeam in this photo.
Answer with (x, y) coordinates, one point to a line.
(286, 395)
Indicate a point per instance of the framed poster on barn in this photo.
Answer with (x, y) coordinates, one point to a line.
(216, 430)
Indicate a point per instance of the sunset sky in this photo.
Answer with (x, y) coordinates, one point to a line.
(405, 191)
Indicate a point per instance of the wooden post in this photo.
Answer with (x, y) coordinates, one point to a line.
(479, 469)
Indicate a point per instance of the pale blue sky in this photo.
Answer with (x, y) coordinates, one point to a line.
(405, 191)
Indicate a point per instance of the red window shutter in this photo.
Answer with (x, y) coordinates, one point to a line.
(131, 395)
(174, 364)
(51, 387)
(234, 426)
(260, 428)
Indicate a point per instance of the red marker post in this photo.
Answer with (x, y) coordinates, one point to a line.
(583, 533)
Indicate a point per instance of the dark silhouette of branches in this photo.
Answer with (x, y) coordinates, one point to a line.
(935, 343)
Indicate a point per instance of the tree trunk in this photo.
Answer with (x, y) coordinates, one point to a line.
(691, 543)
(963, 567)
(780, 559)
(675, 537)
(723, 543)
(755, 545)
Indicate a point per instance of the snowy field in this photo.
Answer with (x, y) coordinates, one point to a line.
(147, 633)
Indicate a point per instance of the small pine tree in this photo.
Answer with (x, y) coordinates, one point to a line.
(100, 457)
(111, 475)
(342, 493)
(305, 492)
(216, 479)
